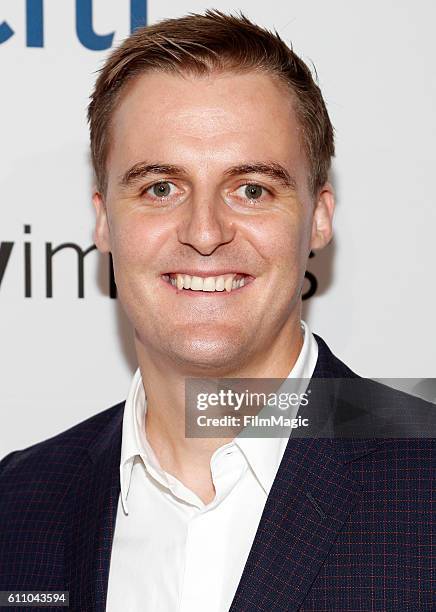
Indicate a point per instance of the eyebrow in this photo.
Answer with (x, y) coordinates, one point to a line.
(143, 169)
(272, 170)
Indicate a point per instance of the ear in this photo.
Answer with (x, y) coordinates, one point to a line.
(322, 222)
(101, 230)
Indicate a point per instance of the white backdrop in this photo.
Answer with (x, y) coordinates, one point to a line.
(64, 358)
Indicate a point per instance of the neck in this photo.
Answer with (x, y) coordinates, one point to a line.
(188, 459)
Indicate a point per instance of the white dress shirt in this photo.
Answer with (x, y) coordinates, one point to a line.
(171, 552)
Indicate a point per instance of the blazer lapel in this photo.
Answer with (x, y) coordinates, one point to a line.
(94, 501)
(310, 500)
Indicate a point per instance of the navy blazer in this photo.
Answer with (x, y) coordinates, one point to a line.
(347, 525)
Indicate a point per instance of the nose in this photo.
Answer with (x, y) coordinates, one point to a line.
(206, 225)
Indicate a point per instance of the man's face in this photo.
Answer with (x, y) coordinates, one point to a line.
(207, 178)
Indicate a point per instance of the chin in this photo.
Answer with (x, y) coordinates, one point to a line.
(208, 356)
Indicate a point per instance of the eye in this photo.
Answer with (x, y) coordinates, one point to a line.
(161, 190)
(251, 191)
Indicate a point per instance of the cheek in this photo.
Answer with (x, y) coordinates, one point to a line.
(282, 241)
(136, 239)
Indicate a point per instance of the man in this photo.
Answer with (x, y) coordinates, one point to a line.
(211, 146)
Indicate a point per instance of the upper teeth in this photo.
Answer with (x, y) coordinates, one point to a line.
(208, 283)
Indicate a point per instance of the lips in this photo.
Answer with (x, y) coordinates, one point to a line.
(213, 283)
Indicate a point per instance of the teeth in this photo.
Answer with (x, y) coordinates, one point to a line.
(209, 284)
(197, 283)
(225, 282)
(219, 283)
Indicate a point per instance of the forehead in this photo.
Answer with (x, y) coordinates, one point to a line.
(227, 115)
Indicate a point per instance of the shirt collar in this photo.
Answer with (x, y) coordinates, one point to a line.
(263, 454)
(134, 442)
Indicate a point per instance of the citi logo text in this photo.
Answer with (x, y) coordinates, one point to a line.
(85, 28)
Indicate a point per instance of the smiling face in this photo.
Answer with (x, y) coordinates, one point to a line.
(209, 217)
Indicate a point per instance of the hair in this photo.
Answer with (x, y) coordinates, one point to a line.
(201, 44)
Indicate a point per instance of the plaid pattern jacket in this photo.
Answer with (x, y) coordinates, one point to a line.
(347, 525)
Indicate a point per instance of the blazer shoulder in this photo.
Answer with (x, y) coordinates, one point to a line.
(328, 365)
(66, 448)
